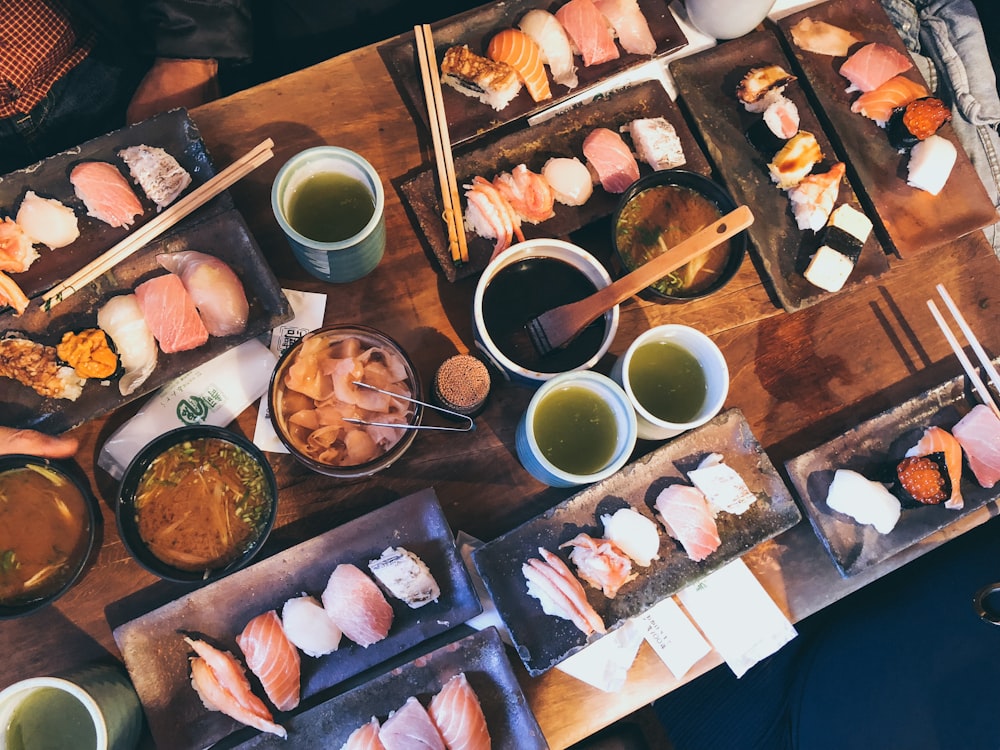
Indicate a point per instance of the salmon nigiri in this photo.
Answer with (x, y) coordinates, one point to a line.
(878, 104)
(519, 51)
(365, 737)
(456, 713)
(560, 593)
(938, 439)
(273, 658)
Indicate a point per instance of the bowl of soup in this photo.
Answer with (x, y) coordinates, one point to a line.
(520, 284)
(47, 528)
(342, 401)
(196, 503)
(662, 209)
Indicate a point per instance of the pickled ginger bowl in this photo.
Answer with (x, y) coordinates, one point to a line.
(339, 401)
(660, 210)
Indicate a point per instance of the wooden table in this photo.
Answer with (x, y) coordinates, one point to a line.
(800, 379)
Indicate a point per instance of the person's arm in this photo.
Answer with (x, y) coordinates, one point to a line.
(36, 443)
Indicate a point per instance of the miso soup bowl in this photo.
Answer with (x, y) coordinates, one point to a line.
(707, 188)
(125, 510)
(577, 355)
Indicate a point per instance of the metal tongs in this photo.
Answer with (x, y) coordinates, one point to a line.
(471, 425)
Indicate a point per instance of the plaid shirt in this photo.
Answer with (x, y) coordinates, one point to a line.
(37, 46)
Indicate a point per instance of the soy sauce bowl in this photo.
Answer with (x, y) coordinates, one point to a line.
(692, 191)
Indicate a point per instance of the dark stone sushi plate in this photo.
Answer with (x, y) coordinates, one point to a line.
(480, 656)
(561, 135)
(542, 641)
(707, 83)
(469, 118)
(156, 655)
(914, 220)
(867, 449)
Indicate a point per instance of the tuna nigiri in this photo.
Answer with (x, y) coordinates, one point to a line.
(979, 434)
(527, 192)
(216, 290)
(365, 737)
(879, 103)
(171, 314)
(273, 658)
(519, 51)
(629, 24)
(459, 718)
(105, 193)
(357, 606)
(937, 439)
(588, 32)
(410, 728)
(873, 65)
(600, 562)
(687, 518)
(815, 196)
(560, 593)
(16, 251)
(611, 159)
(555, 47)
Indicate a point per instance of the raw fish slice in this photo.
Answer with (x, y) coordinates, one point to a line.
(873, 65)
(47, 221)
(171, 314)
(878, 104)
(11, 294)
(16, 251)
(601, 563)
(822, 38)
(216, 290)
(105, 193)
(570, 180)
(635, 534)
(520, 52)
(560, 593)
(588, 32)
(308, 626)
(456, 713)
(527, 192)
(410, 728)
(121, 318)
(865, 501)
(978, 432)
(365, 737)
(551, 39)
(356, 605)
(815, 196)
(159, 175)
(937, 439)
(656, 142)
(629, 24)
(273, 658)
(611, 159)
(688, 519)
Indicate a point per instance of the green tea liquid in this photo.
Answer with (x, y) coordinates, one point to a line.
(51, 719)
(668, 381)
(330, 207)
(576, 430)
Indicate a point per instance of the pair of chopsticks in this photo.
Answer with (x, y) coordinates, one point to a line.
(984, 359)
(442, 144)
(154, 228)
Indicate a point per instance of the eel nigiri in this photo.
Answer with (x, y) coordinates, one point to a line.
(600, 562)
(121, 318)
(214, 287)
(795, 160)
(47, 221)
(528, 193)
(273, 658)
(105, 193)
(171, 314)
(555, 47)
(519, 51)
(759, 87)
(491, 82)
(815, 196)
(935, 440)
(456, 713)
(611, 159)
(410, 728)
(687, 518)
(878, 104)
(822, 38)
(16, 251)
(560, 593)
(629, 24)
(873, 65)
(357, 606)
(979, 434)
(365, 737)
(588, 32)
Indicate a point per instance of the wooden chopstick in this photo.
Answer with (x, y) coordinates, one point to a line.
(157, 226)
(442, 144)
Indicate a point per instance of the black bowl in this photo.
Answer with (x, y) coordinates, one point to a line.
(712, 191)
(77, 560)
(125, 509)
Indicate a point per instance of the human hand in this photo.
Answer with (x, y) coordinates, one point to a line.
(36, 443)
(171, 83)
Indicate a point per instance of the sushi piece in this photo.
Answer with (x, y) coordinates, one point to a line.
(517, 49)
(822, 38)
(89, 352)
(922, 480)
(629, 25)
(356, 606)
(782, 117)
(687, 518)
(873, 65)
(723, 487)
(601, 563)
(588, 32)
(309, 627)
(656, 142)
(761, 86)
(555, 46)
(222, 686)
(611, 159)
(273, 658)
(12, 295)
(560, 593)
(491, 82)
(410, 728)
(17, 253)
(879, 104)
(917, 121)
(158, 173)
(795, 160)
(815, 196)
(105, 193)
(215, 289)
(937, 439)
(634, 534)
(490, 215)
(841, 242)
(121, 318)
(527, 192)
(459, 718)
(47, 221)
(365, 737)
(405, 576)
(978, 432)
(930, 165)
(171, 314)
(570, 180)
(37, 366)
(865, 501)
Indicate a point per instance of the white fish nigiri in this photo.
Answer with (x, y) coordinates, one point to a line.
(570, 180)
(216, 290)
(47, 221)
(121, 318)
(309, 627)
(550, 36)
(865, 501)
(634, 534)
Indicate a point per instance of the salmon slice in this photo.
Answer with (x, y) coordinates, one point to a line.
(629, 24)
(873, 65)
(978, 432)
(105, 193)
(519, 51)
(588, 31)
(601, 563)
(273, 658)
(560, 593)
(878, 105)
(937, 439)
(611, 159)
(456, 713)
(357, 606)
(410, 728)
(365, 737)
(686, 516)
(171, 314)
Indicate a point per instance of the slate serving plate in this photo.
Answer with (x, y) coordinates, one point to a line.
(480, 656)
(542, 641)
(707, 83)
(157, 657)
(865, 449)
(561, 135)
(468, 117)
(915, 220)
